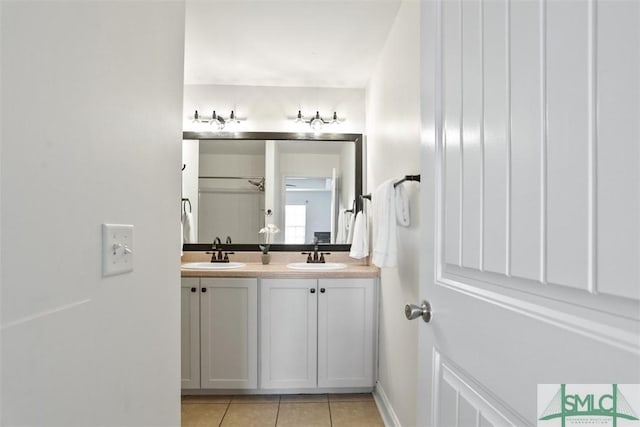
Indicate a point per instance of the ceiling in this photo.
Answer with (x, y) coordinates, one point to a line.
(306, 43)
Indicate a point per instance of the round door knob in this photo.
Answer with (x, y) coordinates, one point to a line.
(193, 289)
(322, 290)
(204, 289)
(412, 311)
(312, 290)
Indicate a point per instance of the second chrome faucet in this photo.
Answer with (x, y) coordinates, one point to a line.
(315, 257)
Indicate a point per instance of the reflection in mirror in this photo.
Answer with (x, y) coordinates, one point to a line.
(230, 190)
(236, 187)
(307, 209)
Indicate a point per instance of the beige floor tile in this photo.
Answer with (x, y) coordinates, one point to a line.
(206, 399)
(310, 414)
(202, 414)
(303, 398)
(350, 397)
(256, 398)
(355, 414)
(251, 415)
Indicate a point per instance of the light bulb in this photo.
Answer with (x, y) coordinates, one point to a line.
(233, 122)
(317, 122)
(216, 121)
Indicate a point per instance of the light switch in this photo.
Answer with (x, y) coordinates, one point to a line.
(117, 249)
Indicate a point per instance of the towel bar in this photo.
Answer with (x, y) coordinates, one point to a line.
(407, 178)
(184, 204)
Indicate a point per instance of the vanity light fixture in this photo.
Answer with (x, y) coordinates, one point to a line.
(216, 121)
(317, 122)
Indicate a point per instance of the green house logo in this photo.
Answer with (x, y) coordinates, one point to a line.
(588, 407)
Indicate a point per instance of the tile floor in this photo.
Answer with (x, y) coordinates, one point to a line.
(287, 410)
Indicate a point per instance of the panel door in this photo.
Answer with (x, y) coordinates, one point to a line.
(190, 332)
(531, 206)
(229, 333)
(346, 332)
(288, 333)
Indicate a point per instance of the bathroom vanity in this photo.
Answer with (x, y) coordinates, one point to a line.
(272, 329)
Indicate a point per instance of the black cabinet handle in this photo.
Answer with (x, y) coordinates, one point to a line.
(193, 289)
(312, 290)
(204, 289)
(322, 290)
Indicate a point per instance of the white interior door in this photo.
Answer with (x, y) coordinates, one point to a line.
(531, 195)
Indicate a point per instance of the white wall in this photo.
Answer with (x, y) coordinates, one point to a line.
(1, 200)
(309, 165)
(91, 113)
(393, 144)
(267, 108)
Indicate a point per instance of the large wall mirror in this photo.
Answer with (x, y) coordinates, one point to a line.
(236, 183)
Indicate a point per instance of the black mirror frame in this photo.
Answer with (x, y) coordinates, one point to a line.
(356, 138)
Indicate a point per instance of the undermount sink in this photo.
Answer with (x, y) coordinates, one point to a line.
(212, 265)
(316, 266)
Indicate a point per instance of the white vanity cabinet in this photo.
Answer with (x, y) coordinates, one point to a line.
(317, 333)
(228, 333)
(346, 332)
(219, 333)
(288, 333)
(190, 332)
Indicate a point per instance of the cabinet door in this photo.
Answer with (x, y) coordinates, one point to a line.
(288, 333)
(346, 332)
(229, 333)
(190, 332)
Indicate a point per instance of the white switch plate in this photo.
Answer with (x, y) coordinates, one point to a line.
(117, 249)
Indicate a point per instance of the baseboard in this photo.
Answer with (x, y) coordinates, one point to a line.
(387, 413)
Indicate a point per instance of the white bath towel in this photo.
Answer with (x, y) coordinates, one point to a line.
(360, 244)
(385, 247)
(187, 228)
(403, 217)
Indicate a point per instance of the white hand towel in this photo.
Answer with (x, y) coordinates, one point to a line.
(351, 221)
(403, 217)
(360, 244)
(187, 225)
(385, 247)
